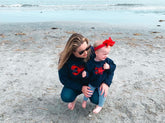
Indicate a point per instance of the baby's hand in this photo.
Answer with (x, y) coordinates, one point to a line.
(84, 74)
(106, 66)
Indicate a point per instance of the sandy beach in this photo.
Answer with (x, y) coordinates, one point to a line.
(30, 87)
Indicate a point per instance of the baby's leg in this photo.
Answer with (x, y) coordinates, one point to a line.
(97, 109)
(101, 98)
(84, 103)
(86, 98)
(101, 102)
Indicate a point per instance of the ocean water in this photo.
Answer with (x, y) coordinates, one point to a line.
(119, 12)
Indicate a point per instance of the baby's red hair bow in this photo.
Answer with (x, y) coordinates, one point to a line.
(107, 42)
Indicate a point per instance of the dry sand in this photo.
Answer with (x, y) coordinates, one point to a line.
(30, 88)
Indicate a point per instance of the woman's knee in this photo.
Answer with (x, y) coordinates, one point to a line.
(68, 95)
(67, 98)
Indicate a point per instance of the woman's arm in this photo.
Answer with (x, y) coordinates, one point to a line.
(104, 89)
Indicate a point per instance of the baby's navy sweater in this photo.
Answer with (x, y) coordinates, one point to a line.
(97, 74)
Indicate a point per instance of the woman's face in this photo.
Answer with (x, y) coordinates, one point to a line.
(81, 51)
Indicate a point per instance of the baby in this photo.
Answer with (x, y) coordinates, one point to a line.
(99, 70)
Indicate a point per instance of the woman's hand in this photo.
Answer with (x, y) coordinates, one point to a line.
(104, 89)
(86, 91)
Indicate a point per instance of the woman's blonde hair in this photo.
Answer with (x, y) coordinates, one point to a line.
(71, 46)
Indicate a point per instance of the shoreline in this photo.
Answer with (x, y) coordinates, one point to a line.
(159, 25)
(30, 88)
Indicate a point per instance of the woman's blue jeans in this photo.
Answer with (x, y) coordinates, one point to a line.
(69, 95)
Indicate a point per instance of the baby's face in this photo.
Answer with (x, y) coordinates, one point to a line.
(102, 54)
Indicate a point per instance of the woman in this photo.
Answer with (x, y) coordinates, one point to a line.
(71, 65)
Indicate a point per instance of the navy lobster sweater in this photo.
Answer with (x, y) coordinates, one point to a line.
(71, 73)
(97, 74)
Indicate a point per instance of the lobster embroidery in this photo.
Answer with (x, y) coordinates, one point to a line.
(77, 69)
(99, 70)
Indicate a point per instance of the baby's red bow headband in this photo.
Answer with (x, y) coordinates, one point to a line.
(108, 42)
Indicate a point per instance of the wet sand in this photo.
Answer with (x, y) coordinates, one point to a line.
(30, 87)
